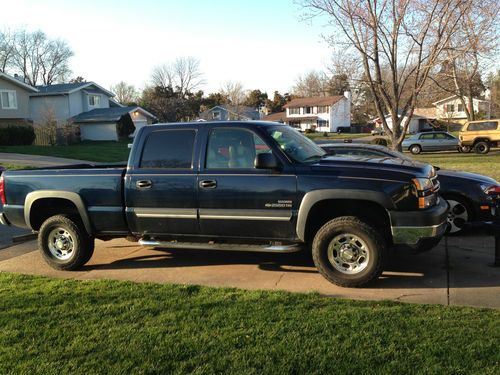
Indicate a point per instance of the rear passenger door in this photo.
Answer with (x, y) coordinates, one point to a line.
(161, 184)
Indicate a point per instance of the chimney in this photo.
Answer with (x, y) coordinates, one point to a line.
(347, 107)
(19, 78)
(347, 94)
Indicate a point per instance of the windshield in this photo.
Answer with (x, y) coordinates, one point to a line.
(399, 155)
(297, 147)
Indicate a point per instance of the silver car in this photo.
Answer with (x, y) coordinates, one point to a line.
(430, 141)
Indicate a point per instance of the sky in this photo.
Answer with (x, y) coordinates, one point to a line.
(263, 44)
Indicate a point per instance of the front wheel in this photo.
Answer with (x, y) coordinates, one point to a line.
(464, 149)
(458, 214)
(348, 252)
(415, 149)
(64, 243)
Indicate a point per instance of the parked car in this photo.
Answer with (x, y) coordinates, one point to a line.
(378, 131)
(466, 193)
(430, 141)
(480, 135)
(208, 185)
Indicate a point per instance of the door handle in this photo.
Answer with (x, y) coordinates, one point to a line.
(144, 184)
(208, 184)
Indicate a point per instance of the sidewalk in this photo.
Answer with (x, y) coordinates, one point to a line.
(37, 160)
(457, 272)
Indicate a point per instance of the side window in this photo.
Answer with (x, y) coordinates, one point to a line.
(427, 136)
(440, 136)
(233, 148)
(488, 125)
(171, 149)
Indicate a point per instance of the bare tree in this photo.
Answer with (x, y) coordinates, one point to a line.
(398, 42)
(234, 92)
(6, 49)
(39, 59)
(182, 75)
(473, 46)
(125, 93)
(313, 83)
(54, 63)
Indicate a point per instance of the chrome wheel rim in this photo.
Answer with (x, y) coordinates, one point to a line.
(415, 150)
(348, 254)
(61, 243)
(457, 216)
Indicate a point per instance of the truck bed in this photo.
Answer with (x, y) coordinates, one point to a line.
(100, 186)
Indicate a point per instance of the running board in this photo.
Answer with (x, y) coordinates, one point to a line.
(222, 246)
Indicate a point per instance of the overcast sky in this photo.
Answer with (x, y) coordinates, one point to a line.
(262, 43)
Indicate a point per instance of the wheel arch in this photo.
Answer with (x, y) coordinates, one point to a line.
(319, 206)
(58, 202)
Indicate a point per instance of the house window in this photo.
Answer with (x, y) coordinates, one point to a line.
(295, 111)
(8, 99)
(94, 100)
(216, 115)
(460, 107)
(324, 109)
(450, 108)
(308, 110)
(323, 123)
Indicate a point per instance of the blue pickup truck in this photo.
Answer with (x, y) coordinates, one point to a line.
(252, 186)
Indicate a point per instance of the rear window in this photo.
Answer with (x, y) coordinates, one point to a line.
(488, 125)
(172, 149)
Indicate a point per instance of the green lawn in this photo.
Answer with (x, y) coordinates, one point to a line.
(488, 164)
(318, 136)
(53, 326)
(102, 151)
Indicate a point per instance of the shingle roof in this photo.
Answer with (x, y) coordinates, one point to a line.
(278, 116)
(61, 88)
(111, 114)
(314, 101)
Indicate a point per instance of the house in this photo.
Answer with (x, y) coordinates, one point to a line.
(230, 113)
(276, 117)
(422, 120)
(85, 104)
(328, 113)
(452, 109)
(14, 100)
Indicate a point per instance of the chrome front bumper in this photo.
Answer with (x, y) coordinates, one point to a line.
(412, 235)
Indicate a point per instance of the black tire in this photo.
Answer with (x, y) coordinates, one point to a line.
(459, 213)
(464, 149)
(415, 149)
(324, 245)
(64, 243)
(482, 147)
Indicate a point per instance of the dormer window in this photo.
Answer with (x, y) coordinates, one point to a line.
(94, 100)
(216, 115)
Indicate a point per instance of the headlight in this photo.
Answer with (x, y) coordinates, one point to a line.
(426, 192)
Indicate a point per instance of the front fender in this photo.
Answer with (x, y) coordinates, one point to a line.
(313, 197)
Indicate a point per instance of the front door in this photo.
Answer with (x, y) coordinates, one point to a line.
(235, 198)
(161, 189)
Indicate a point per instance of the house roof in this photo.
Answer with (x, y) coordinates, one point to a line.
(68, 88)
(454, 97)
(314, 101)
(302, 118)
(429, 112)
(111, 114)
(240, 111)
(278, 116)
(17, 82)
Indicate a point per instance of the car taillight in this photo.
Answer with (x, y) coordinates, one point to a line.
(2, 190)
(493, 190)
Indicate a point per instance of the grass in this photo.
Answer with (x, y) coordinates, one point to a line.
(488, 164)
(52, 326)
(16, 166)
(102, 151)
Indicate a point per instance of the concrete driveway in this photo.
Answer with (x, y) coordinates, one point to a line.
(458, 272)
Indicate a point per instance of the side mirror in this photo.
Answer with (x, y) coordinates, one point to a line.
(266, 161)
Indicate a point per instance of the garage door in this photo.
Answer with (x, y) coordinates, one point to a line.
(98, 132)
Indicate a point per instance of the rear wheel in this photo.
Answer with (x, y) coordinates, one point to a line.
(464, 149)
(415, 149)
(64, 243)
(482, 147)
(348, 252)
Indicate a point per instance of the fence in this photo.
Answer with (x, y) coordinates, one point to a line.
(45, 136)
(50, 136)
